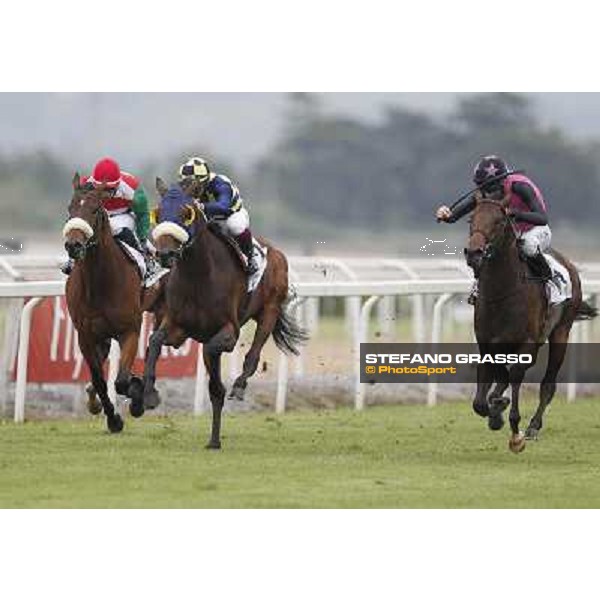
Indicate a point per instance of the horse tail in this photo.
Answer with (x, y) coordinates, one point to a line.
(288, 335)
(586, 312)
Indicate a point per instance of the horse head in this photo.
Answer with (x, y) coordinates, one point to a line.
(491, 227)
(179, 219)
(86, 218)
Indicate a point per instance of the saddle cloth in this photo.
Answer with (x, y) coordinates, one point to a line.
(135, 256)
(560, 289)
(260, 255)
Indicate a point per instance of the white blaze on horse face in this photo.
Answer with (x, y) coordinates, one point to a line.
(78, 224)
(172, 229)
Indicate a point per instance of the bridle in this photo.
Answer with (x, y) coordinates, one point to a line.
(492, 245)
(192, 223)
(92, 241)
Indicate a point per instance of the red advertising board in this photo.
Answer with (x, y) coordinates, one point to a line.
(54, 355)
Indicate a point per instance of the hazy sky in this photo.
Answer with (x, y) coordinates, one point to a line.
(240, 126)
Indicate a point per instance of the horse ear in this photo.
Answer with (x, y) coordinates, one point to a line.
(506, 201)
(76, 182)
(161, 187)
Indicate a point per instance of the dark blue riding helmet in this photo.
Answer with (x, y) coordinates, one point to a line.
(490, 169)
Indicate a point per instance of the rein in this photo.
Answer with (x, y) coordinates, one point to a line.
(508, 219)
(487, 182)
(509, 225)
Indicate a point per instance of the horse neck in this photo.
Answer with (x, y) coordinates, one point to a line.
(101, 263)
(502, 275)
(199, 263)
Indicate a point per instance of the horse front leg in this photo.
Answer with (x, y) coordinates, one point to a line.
(517, 442)
(212, 361)
(498, 404)
(485, 380)
(127, 384)
(93, 358)
(155, 344)
(93, 404)
(166, 335)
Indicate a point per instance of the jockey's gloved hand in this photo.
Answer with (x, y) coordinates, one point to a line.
(443, 213)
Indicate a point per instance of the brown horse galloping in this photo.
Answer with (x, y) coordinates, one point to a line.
(206, 300)
(105, 300)
(512, 315)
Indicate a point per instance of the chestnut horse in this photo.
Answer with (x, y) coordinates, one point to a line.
(512, 315)
(105, 300)
(207, 299)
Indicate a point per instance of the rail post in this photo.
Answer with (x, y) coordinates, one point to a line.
(362, 337)
(436, 338)
(282, 369)
(23, 358)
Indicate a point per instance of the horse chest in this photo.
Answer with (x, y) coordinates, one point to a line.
(200, 319)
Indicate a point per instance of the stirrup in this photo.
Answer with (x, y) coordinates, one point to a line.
(154, 272)
(252, 267)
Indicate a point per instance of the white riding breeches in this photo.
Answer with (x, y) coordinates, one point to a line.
(538, 239)
(122, 221)
(236, 224)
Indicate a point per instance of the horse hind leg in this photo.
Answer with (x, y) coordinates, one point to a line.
(558, 349)
(265, 325)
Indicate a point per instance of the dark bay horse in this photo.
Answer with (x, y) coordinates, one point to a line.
(105, 300)
(512, 315)
(206, 299)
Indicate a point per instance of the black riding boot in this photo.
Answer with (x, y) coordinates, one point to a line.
(153, 269)
(247, 247)
(540, 267)
(127, 236)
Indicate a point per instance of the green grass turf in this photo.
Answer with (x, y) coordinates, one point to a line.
(391, 457)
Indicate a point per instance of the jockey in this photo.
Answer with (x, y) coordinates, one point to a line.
(526, 207)
(128, 212)
(222, 204)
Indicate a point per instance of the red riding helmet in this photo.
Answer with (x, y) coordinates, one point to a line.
(106, 172)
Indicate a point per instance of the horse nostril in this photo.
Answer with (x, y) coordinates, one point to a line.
(74, 249)
(167, 258)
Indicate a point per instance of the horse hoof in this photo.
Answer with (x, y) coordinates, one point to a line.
(496, 422)
(499, 404)
(213, 446)
(115, 425)
(122, 387)
(237, 394)
(482, 410)
(532, 435)
(136, 393)
(136, 409)
(517, 443)
(94, 405)
(152, 400)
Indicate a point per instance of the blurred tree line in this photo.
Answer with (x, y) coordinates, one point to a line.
(331, 171)
(395, 173)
